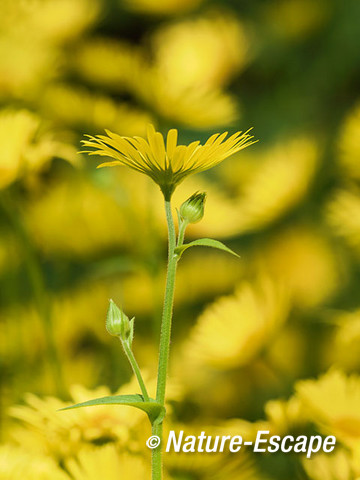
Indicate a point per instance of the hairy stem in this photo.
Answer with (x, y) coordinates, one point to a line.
(165, 337)
(136, 370)
(181, 236)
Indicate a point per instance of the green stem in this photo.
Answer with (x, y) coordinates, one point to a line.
(165, 337)
(168, 308)
(182, 229)
(41, 297)
(136, 370)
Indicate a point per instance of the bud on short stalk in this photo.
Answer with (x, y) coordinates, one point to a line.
(118, 324)
(192, 210)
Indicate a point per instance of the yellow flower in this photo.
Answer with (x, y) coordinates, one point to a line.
(166, 165)
(194, 101)
(29, 60)
(63, 434)
(332, 403)
(92, 463)
(233, 330)
(349, 148)
(344, 349)
(343, 215)
(77, 107)
(336, 466)
(294, 252)
(106, 62)
(280, 182)
(201, 52)
(16, 463)
(285, 416)
(42, 428)
(194, 107)
(25, 148)
(214, 466)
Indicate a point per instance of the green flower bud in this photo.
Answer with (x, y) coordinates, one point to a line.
(118, 324)
(192, 210)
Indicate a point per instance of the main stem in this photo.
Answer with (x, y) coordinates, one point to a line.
(165, 338)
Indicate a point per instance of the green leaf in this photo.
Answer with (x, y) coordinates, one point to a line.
(154, 410)
(204, 242)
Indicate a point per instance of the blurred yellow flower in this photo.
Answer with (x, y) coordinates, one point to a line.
(343, 214)
(201, 52)
(292, 254)
(281, 180)
(123, 67)
(26, 148)
(77, 107)
(25, 67)
(344, 349)
(33, 34)
(336, 466)
(332, 403)
(77, 206)
(62, 434)
(264, 186)
(194, 107)
(166, 166)
(234, 329)
(53, 21)
(16, 463)
(93, 463)
(285, 416)
(238, 426)
(106, 62)
(349, 148)
(215, 466)
(355, 458)
(60, 21)
(43, 429)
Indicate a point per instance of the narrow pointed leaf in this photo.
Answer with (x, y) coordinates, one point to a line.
(204, 242)
(154, 410)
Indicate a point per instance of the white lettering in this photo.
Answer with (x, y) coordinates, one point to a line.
(189, 445)
(311, 443)
(331, 441)
(274, 441)
(172, 438)
(259, 440)
(283, 443)
(235, 444)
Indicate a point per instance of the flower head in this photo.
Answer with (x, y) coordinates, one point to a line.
(192, 210)
(118, 324)
(166, 164)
